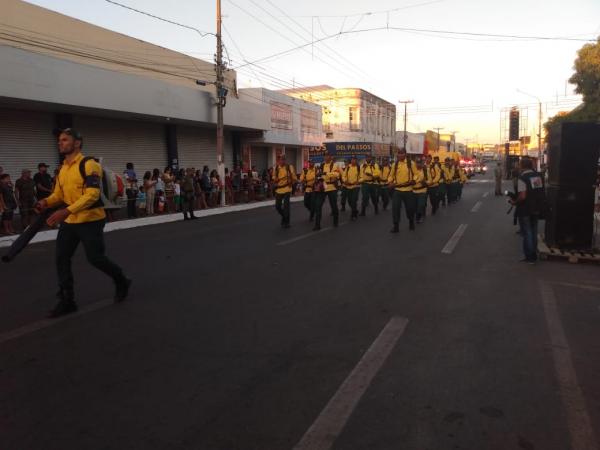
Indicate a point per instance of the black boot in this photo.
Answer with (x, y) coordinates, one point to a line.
(317, 227)
(66, 304)
(336, 221)
(122, 290)
(363, 212)
(396, 228)
(411, 226)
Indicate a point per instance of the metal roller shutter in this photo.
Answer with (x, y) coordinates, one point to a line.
(260, 158)
(26, 139)
(118, 142)
(197, 147)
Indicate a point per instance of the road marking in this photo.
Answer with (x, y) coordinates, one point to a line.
(485, 194)
(307, 235)
(578, 419)
(326, 428)
(580, 286)
(476, 207)
(449, 247)
(47, 323)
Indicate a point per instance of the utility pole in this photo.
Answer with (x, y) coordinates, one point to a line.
(405, 137)
(438, 129)
(220, 105)
(454, 139)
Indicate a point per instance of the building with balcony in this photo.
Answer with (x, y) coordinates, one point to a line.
(355, 122)
(296, 129)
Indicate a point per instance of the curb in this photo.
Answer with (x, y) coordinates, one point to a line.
(50, 235)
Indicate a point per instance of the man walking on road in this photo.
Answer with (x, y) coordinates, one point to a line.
(384, 191)
(402, 179)
(434, 172)
(307, 178)
(370, 174)
(284, 177)
(329, 178)
(530, 202)
(351, 178)
(81, 217)
(498, 179)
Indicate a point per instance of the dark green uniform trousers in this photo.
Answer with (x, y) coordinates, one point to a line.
(409, 201)
(369, 191)
(434, 198)
(352, 195)
(421, 204)
(91, 235)
(319, 200)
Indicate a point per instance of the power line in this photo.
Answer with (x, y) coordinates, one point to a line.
(442, 32)
(200, 32)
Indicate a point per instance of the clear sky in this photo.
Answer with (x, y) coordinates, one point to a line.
(440, 72)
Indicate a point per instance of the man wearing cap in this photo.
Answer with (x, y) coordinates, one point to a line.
(43, 182)
(433, 173)
(384, 191)
(329, 179)
(81, 217)
(369, 177)
(402, 180)
(307, 178)
(284, 177)
(351, 179)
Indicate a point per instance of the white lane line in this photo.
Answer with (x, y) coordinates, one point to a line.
(326, 428)
(47, 323)
(580, 286)
(578, 419)
(485, 194)
(476, 207)
(449, 247)
(307, 235)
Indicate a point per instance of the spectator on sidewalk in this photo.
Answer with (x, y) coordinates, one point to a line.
(8, 203)
(43, 182)
(150, 190)
(199, 192)
(25, 194)
(187, 190)
(206, 185)
(159, 191)
(216, 187)
(141, 200)
(169, 181)
(228, 187)
(131, 190)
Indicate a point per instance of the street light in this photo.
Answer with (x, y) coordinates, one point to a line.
(405, 102)
(539, 124)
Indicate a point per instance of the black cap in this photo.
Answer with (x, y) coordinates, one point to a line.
(42, 165)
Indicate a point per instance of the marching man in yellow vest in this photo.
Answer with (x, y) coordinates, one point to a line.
(328, 179)
(384, 191)
(307, 177)
(369, 177)
(351, 179)
(402, 180)
(284, 177)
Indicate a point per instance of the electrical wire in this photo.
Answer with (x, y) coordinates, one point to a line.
(200, 32)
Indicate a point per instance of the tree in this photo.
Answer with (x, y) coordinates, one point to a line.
(587, 83)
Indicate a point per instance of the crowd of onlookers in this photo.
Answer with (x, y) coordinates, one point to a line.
(154, 192)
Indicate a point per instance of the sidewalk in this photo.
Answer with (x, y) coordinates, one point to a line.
(50, 235)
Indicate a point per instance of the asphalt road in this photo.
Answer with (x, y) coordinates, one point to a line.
(241, 335)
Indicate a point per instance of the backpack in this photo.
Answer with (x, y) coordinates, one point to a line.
(112, 187)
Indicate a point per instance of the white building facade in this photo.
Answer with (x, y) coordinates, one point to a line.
(296, 129)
